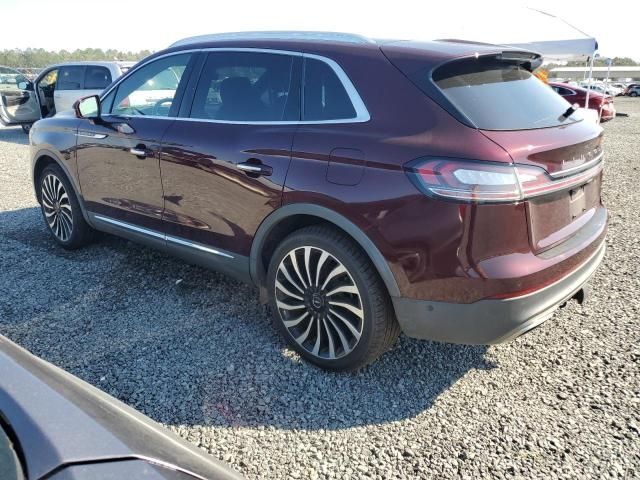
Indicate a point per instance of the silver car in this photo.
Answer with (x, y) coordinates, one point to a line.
(55, 89)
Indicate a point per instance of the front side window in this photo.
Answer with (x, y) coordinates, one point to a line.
(70, 78)
(97, 78)
(245, 87)
(325, 97)
(151, 89)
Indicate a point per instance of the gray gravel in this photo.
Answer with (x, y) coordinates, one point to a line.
(200, 356)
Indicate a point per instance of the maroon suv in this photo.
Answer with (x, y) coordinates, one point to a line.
(365, 187)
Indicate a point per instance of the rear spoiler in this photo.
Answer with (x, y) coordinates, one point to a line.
(525, 58)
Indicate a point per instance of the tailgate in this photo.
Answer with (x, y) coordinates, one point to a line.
(564, 152)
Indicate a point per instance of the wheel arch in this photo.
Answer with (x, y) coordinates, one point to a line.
(292, 217)
(44, 158)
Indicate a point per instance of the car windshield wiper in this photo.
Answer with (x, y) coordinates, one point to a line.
(568, 112)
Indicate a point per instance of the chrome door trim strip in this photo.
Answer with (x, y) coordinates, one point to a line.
(162, 236)
(196, 246)
(135, 228)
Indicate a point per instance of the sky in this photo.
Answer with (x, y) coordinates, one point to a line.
(134, 25)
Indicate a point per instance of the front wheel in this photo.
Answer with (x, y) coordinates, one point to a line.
(633, 94)
(61, 210)
(328, 300)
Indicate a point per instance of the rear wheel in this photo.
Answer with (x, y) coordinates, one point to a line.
(329, 301)
(61, 210)
(633, 94)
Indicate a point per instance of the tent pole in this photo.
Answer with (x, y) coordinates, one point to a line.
(586, 100)
(606, 84)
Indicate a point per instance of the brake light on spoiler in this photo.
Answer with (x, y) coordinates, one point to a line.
(490, 182)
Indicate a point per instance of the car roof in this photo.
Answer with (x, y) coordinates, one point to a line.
(308, 41)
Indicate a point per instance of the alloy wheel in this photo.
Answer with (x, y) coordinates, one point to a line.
(319, 302)
(57, 207)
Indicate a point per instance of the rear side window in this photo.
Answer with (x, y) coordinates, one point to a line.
(497, 95)
(96, 78)
(562, 91)
(246, 87)
(325, 97)
(70, 78)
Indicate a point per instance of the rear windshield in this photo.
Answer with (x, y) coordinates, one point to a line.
(496, 95)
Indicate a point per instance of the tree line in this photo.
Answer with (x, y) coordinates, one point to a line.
(40, 58)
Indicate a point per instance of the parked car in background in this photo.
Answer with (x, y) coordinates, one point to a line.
(633, 90)
(55, 426)
(601, 89)
(55, 89)
(442, 208)
(603, 104)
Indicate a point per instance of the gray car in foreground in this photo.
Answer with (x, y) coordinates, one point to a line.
(55, 426)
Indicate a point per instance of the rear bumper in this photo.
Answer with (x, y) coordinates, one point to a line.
(491, 321)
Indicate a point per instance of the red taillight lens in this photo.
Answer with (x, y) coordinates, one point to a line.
(471, 181)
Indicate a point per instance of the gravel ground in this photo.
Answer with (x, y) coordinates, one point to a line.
(201, 357)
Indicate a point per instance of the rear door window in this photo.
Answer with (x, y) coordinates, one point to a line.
(325, 97)
(497, 95)
(70, 78)
(96, 78)
(246, 87)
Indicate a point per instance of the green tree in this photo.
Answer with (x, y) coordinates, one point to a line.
(40, 58)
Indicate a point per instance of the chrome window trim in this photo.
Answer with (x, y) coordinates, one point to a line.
(362, 114)
(162, 236)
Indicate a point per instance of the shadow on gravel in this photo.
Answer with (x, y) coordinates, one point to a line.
(192, 347)
(13, 135)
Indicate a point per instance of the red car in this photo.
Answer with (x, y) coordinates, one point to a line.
(364, 187)
(574, 94)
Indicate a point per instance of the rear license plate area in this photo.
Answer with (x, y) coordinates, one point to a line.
(554, 218)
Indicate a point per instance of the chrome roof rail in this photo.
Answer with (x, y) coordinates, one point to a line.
(276, 35)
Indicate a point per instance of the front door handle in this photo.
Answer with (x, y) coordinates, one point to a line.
(137, 152)
(255, 168)
(140, 151)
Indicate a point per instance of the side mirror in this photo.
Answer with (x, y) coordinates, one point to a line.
(25, 85)
(88, 107)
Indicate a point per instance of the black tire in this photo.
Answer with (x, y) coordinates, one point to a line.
(633, 94)
(71, 231)
(377, 327)
(26, 128)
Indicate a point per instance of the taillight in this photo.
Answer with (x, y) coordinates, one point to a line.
(478, 181)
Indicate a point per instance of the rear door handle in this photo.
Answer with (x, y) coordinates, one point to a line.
(255, 168)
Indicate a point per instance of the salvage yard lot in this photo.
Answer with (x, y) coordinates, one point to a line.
(195, 351)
